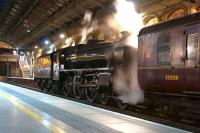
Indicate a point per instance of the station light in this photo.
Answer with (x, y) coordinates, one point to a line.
(36, 46)
(62, 36)
(14, 52)
(28, 31)
(46, 42)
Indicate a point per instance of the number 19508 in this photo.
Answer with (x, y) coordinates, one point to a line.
(171, 77)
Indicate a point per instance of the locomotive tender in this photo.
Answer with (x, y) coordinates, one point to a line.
(168, 68)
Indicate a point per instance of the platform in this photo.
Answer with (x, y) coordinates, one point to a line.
(26, 111)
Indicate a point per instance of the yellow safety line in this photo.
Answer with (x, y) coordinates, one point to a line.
(53, 128)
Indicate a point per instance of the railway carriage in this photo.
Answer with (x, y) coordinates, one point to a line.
(169, 66)
(169, 56)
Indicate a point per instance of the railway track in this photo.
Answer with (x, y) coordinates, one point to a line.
(138, 111)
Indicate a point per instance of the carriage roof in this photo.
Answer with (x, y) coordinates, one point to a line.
(182, 21)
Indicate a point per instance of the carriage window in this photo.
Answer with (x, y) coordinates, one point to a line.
(163, 49)
(192, 46)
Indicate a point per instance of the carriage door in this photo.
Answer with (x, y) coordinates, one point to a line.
(192, 66)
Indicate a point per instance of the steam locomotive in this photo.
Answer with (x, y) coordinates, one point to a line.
(168, 69)
(81, 71)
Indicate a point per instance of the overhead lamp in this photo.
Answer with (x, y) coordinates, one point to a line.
(36, 46)
(28, 31)
(27, 53)
(46, 42)
(62, 35)
(14, 52)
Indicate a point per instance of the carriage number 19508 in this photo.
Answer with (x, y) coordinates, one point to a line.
(171, 77)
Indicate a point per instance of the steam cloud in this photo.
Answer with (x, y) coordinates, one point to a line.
(89, 26)
(124, 77)
(124, 55)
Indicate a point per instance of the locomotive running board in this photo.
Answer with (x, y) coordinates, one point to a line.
(88, 69)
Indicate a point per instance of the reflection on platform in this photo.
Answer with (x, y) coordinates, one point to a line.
(30, 111)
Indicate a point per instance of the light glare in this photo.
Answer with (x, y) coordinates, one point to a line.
(14, 52)
(62, 36)
(46, 42)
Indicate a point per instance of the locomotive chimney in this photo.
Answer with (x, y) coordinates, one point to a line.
(125, 35)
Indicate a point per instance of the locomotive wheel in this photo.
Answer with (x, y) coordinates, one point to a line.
(104, 97)
(67, 89)
(42, 85)
(48, 86)
(91, 94)
(37, 83)
(79, 92)
(53, 87)
(121, 105)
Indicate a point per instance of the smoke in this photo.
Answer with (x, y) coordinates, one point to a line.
(89, 26)
(124, 77)
(69, 42)
(123, 56)
(128, 20)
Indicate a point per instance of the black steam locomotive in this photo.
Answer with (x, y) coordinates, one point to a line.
(80, 71)
(168, 69)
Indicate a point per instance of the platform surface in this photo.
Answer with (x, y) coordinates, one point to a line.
(26, 111)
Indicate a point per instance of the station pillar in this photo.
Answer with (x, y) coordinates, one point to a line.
(7, 69)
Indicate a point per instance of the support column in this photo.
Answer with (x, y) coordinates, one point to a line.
(7, 69)
(31, 64)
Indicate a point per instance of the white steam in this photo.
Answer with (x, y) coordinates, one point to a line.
(89, 26)
(128, 20)
(125, 78)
